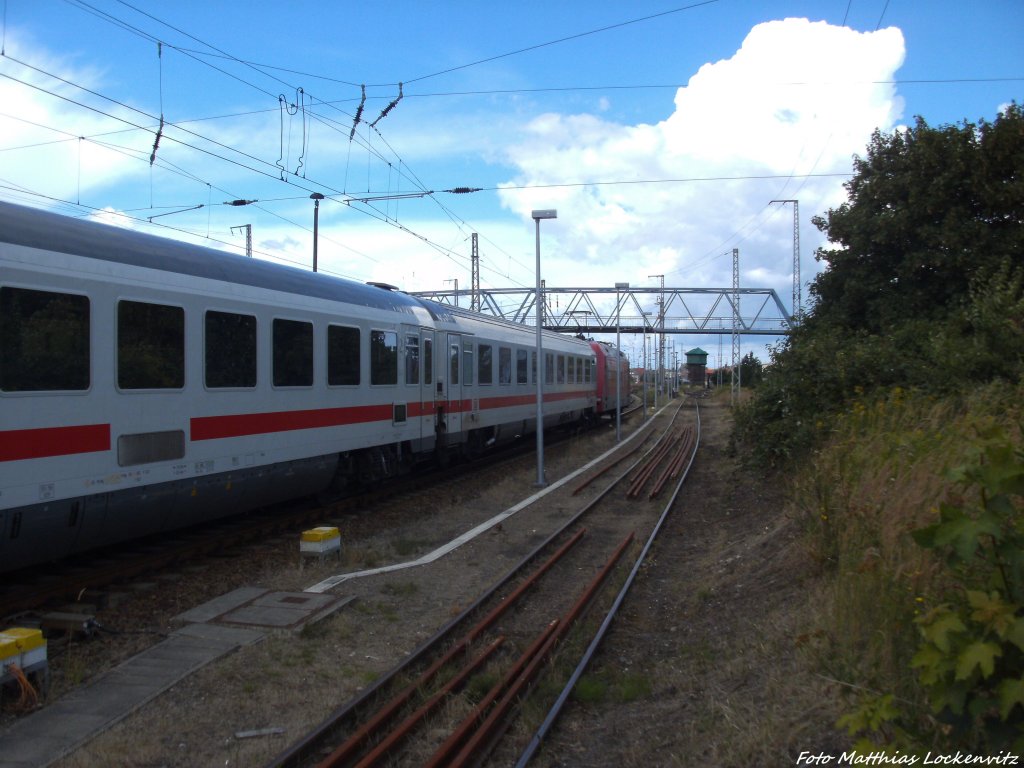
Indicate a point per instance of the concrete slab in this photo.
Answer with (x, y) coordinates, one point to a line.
(210, 631)
(252, 606)
(280, 609)
(51, 733)
(211, 609)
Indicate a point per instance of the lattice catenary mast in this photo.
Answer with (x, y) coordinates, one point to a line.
(474, 298)
(797, 290)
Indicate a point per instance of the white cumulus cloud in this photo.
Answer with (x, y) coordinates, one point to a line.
(797, 98)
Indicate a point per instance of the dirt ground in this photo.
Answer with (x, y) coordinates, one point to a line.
(705, 667)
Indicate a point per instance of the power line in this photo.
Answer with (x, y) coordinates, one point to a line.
(685, 180)
(562, 40)
(654, 86)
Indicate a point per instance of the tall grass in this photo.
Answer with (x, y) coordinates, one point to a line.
(881, 475)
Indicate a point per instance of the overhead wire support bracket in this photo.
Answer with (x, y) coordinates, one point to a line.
(182, 210)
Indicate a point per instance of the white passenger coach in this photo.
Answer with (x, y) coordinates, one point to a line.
(147, 384)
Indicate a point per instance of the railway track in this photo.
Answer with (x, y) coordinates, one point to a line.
(462, 695)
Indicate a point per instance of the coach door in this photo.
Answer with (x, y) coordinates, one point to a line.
(453, 407)
(413, 395)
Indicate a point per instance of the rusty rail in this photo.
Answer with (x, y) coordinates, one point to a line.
(385, 714)
(534, 744)
(485, 735)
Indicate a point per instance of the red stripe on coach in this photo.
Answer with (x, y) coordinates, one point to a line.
(17, 444)
(239, 425)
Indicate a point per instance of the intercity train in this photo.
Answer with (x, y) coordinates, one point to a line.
(148, 384)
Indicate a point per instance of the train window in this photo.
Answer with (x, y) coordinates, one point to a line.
(504, 365)
(230, 350)
(383, 357)
(342, 356)
(521, 366)
(588, 369)
(453, 368)
(412, 359)
(45, 341)
(292, 347)
(549, 368)
(150, 346)
(561, 369)
(572, 370)
(467, 362)
(428, 361)
(484, 366)
(533, 367)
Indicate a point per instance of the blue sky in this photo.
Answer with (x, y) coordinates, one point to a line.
(659, 130)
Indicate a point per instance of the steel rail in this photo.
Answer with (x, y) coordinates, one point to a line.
(406, 726)
(463, 729)
(658, 448)
(312, 742)
(489, 731)
(545, 727)
(389, 710)
(679, 455)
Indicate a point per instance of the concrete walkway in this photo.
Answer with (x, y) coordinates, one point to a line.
(55, 731)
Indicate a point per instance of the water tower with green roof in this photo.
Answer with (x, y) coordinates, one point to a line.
(696, 366)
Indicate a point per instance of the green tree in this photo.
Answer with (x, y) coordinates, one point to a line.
(923, 285)
(751, 370)
(929, 209)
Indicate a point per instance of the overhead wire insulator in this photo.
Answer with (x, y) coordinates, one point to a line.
(359, 114)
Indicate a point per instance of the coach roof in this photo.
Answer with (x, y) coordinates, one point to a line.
(35, 228)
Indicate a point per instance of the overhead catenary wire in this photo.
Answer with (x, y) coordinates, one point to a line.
(385, 217)
(134, 125)
(565, 39)
(373, 149)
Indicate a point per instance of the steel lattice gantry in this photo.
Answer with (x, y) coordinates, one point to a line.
(593, 310)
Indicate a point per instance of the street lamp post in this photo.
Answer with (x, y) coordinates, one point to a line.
(316, 197)
(618, 373)
(646, 362)
(537, 216)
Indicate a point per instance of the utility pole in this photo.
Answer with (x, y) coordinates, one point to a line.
(248, 237)
(474, 296)
(797, 289)
(735, 391)
(661, 336)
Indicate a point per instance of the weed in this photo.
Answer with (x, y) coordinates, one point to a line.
(591, 689)
(401, 588)
(404, 547)
(632, 686)
(479, 685)
(903, 616)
